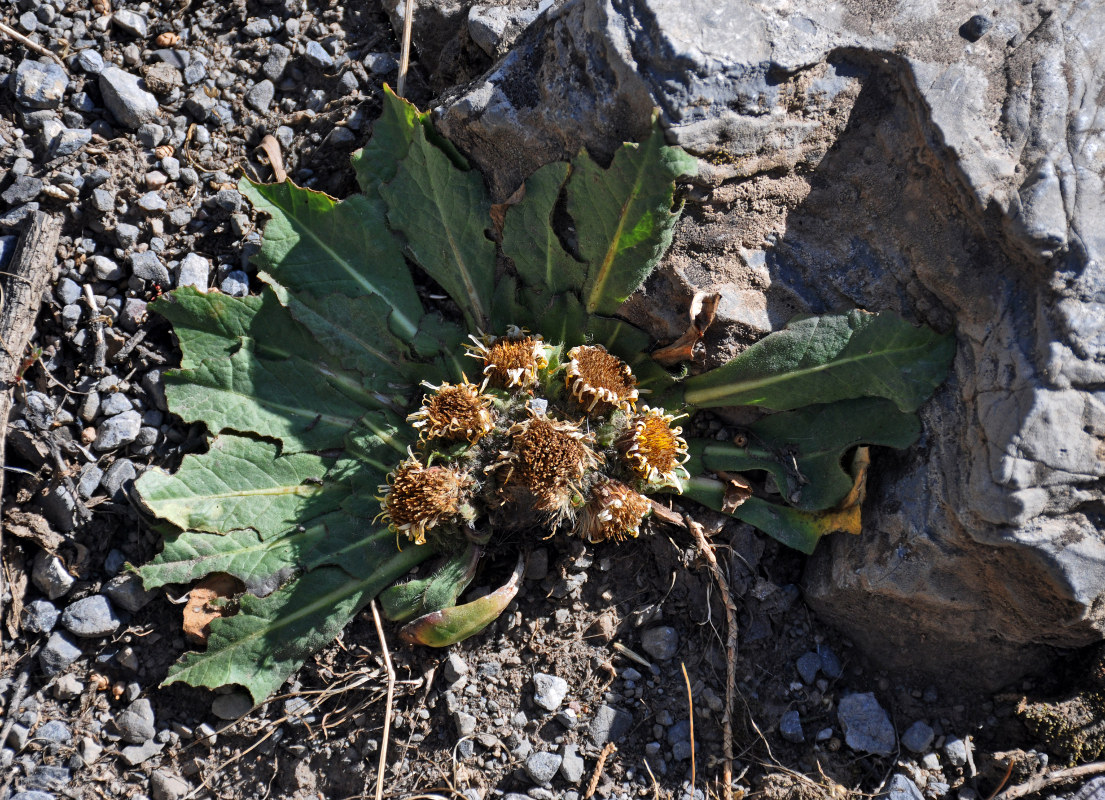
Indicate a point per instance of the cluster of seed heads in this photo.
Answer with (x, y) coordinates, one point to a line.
(546, 439)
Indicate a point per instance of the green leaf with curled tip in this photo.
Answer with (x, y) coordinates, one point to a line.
(624, 216)
(829, 358)
(457, 623)
(436, 591)
(804, 449)
(801, 530)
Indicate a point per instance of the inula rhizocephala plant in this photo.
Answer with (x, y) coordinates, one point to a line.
(363, 423)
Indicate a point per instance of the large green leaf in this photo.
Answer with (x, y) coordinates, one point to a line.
(829, 358)
(315, 244)
(213, 325)
(283, 399)
(804, 449)
(269, 637)
(375, 163)
(624, 216)
(530, 239)
(241, 482)
(444, 212)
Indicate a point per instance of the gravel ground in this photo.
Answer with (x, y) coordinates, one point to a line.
(137, 143)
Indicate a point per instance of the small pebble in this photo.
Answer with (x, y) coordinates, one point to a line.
(40, 616)
(808, 666)
(235, 284)
(60, 651)
(542, 766)
(50, 575)
(866, 726)
(117, 431)
(549, 691)
(790, 727)
(661, 642)
(609, 725)
(955, 749)
(136, 722)
(39, 84)
(918, 737)
(318, 56)
(90, 617)
(148, 266)
(54, 731)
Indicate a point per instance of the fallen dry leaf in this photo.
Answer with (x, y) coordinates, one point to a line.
(702, 312)
(29, 525)
(271, 148)
(498, 210)
(737, 490)
(208, 600)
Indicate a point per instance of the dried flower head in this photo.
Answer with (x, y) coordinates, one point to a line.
(599, 381)
(548, 458)
(510, 361)
(416, 498)
(454, 412)
(654, 450)
(614, 511)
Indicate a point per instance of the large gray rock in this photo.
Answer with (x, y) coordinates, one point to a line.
(871, 156)
(126, 99)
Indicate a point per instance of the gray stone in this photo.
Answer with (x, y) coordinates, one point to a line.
(103, 201)
(69, 141)
(50, 575)
(455, 667)
(115, 403)
(126, 592)
(318, 56)
(59, 652)
(918, 737)
(152, 203)
(148, 267)
(134, 314)
(67, 291)
(259, 97)
(955, 750)
(118, 431)
(234, 705)
(118, 476)
(381, 63)
(609, 725)
(90, 61)
(18, 736)
(132, 22)
(866, 726)
(899, 787)
(549, 691)
(808, 665)
(494, 27)
(465, 723)
(23, 189)
(33, 794)
(194, 271)
(71, 315)
(67, 687)
(40, 616)
(830, 664)
(54, 731)
(126, 234)
(104, 268)
(235, 284)
(167, 786)
(571, 764)
(661, 642)
(39, 84)
(90, 617)
(136, 722)
(139, 753)
(258, 27)
(987, 242)
(276, 62)
(125, 98)
(228, 199)
(542, 766)
(790, 727)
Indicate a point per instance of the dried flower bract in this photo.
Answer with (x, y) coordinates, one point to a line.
(417, 498)
(548, 458)
(599, 381)
(614, 511)
(454, 412)
(510, 361)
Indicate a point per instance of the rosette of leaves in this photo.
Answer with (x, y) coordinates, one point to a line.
(307, 387)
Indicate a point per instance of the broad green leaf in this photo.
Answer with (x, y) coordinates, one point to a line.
(376, 162)
(212, 325)
(242, 482)
(444, 212)
(830, 358)
(261, 565)
(804, 449)
(379, 439)
(316, 244)
(624, 216)
(269, 638)
(283, 399)
(530, 240)
(793, 527)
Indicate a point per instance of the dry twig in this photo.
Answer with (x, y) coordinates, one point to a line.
(30, 45)
(391, 697)
(730, 652)
(405, 51)
(596, 776)
(1045, 779)
(690, 718)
